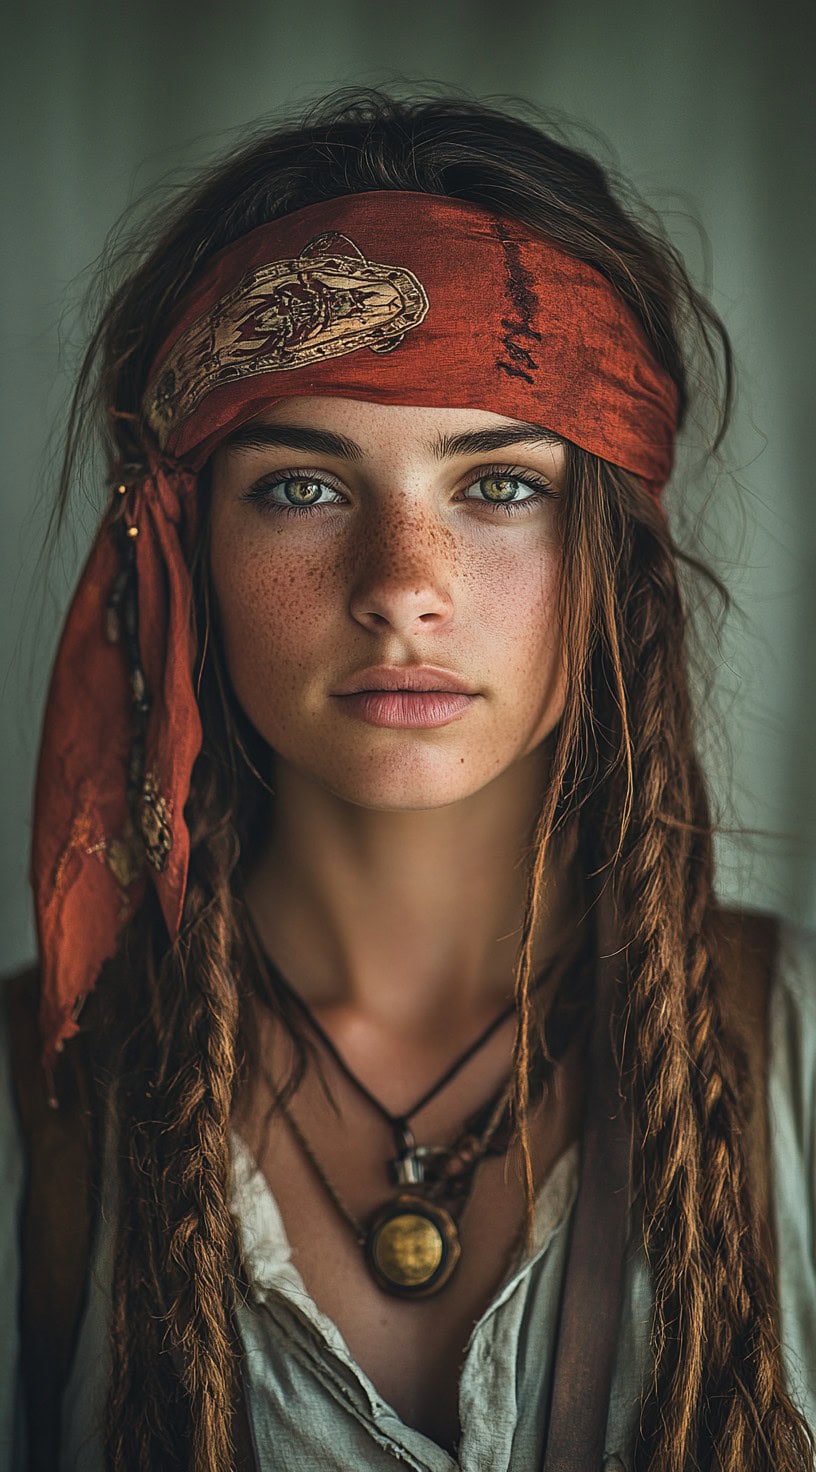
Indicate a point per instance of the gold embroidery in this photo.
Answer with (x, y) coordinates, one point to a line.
(84, 826)
(321, 304)
(125, 856)
(154, 822)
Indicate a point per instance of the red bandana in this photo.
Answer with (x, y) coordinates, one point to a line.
(400, 298)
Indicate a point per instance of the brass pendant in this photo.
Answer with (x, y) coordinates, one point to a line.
(412, 1246)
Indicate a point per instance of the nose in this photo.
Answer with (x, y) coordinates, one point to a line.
(403, 578)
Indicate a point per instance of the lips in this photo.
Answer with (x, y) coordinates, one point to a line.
(414, 678)
(405, 709)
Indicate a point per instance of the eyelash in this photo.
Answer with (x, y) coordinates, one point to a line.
(543, 490)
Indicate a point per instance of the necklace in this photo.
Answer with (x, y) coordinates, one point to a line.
(411, 1163)
(411, 1243)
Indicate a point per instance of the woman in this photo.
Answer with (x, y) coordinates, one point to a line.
(372, 855)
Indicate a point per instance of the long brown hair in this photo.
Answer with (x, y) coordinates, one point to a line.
(172, 1023)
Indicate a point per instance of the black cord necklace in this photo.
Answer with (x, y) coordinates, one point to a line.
(408, 1167)
(411, 1243)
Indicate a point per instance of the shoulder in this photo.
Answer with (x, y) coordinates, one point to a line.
(791, 1144)
(25, 1093)
(792, 1041)
(796, 969)
(768, 965)
(19, 995)
(748, 945)
(18, 1014)
(768, 975)
(14, 990)
(769, 980)
(19, 1002)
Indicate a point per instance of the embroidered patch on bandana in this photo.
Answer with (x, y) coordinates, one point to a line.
(321, 304)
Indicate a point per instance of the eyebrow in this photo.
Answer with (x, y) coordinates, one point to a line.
(324, 442)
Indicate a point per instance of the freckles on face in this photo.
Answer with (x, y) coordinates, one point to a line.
(274, 603)
(398, 573)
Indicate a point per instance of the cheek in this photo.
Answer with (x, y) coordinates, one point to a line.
(519, 596)
(274, 609)
(534, 672)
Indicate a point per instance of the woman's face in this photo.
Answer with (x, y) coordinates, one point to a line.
(347, 534)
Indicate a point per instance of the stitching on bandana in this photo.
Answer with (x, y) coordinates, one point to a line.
(123, 855)
(519, 287)
(79, 839)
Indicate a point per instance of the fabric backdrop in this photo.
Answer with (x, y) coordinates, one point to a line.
(706, 107)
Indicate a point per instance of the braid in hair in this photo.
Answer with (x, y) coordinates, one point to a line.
(176, 1250)
(716, 1396)
(173, 1046)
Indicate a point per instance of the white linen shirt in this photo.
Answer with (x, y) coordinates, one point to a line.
(312, 1408)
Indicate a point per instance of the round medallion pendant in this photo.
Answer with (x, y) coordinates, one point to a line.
(412, 1246)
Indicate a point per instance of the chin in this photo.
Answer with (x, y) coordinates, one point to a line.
(419, 801)
(402, 783)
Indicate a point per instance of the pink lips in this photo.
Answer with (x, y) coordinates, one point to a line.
(407, 707)
(406, 695)
(405, 677)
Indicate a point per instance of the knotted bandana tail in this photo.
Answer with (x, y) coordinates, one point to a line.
(109, 809)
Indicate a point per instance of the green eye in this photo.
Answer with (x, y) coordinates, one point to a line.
(500, 490)
(301, 492)
(500, 487)
(292, 493)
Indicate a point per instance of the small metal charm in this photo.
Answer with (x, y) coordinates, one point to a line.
(410, 1166)
(406, 1169)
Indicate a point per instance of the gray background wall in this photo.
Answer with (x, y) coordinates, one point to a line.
(705, 106)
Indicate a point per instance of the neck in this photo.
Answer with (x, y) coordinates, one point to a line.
(410, 919)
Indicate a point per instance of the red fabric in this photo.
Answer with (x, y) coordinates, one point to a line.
(408, 299)
(513, 325)
(82, 849)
